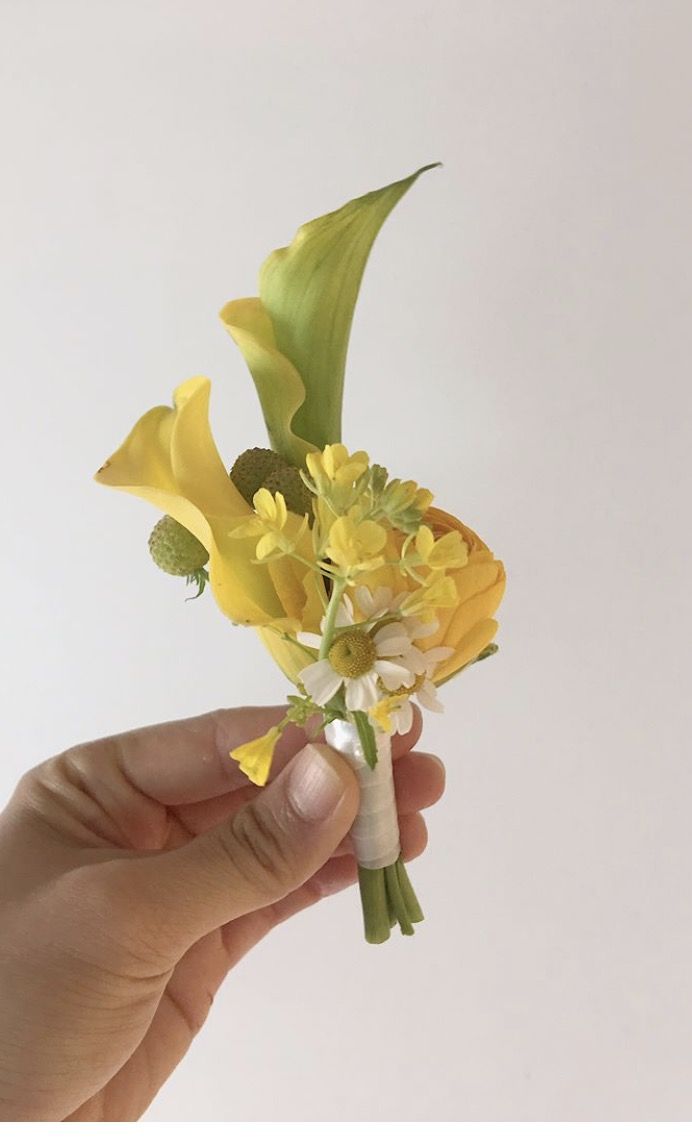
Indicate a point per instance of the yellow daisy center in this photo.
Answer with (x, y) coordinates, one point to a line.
(352, 654)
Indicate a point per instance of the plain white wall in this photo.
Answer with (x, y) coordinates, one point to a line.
(522, 345)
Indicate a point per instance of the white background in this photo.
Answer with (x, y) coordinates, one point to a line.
(522, 345)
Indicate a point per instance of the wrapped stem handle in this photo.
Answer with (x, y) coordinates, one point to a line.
(375, 831)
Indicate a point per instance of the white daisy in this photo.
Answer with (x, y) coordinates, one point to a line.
(375, 605)
(364, 663)
(423, 690)
(369, 662)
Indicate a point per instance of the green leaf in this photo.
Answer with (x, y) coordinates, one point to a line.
(366, 735)
(295, 335)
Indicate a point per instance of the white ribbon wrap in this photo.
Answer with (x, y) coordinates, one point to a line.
(375, 831)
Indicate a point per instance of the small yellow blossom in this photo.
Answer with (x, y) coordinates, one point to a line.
(335, 474)
(400, 495)
(335, 464)
(354, 545)
(255, 757)
(448, 552)
(438, 592)
(270, 524)
(404, 504)
(381, 713)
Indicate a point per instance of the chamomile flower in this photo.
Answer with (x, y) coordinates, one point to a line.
(362, 663)
(394, 712)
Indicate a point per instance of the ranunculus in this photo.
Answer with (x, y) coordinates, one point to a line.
(467, 628)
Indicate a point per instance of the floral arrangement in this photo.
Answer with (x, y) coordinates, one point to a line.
(367, 596)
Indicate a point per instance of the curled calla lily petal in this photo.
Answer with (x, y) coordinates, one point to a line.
(295, 335)
(170, 459)
(279, 386)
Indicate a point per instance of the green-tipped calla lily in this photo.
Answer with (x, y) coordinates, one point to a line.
(294, 336)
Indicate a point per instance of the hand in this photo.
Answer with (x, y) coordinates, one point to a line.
(136, 871)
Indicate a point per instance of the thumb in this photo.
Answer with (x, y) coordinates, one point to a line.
(263, 852)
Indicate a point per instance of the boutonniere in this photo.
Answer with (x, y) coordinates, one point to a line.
(367, 595)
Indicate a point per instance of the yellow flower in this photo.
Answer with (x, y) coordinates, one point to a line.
(381, 713)
(336, 476)
(438, 592)
(279, 532)
(467, 627)
(448, 552)
(255, 757)
(400, 496)
(355, 545)
(170, 459)
(461, 600)
(335, 466)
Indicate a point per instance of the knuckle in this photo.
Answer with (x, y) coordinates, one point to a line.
(260, 852)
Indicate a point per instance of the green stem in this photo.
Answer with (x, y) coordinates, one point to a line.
(412, 905)
(330, 618)
(397, 900)
(387, 899)
(373, 895)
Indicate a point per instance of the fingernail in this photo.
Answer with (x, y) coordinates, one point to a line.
(314, 787)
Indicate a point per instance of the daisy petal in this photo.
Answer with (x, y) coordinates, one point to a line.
(361, 693)
(402, 718)
(434, 655)
(393, 675)
(344, 613)
(417, 630)
(427, 697)
(310, 638)
(392, 640)
(321, 682)
(415, 660)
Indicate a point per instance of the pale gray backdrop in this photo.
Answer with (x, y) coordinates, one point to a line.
(522, 345)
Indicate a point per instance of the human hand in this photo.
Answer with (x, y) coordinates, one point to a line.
(136, 871)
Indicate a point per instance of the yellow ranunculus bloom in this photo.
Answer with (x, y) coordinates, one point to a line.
(463, 601)
(170, 459)
(468, 627)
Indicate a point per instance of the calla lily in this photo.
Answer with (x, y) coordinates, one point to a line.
(170, 459)
(294, 336)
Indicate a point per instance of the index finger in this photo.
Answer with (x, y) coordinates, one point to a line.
(187, 760)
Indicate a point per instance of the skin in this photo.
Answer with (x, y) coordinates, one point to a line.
(136, 871)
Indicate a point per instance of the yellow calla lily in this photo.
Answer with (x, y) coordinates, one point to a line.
(294, 336)
(170, 459)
